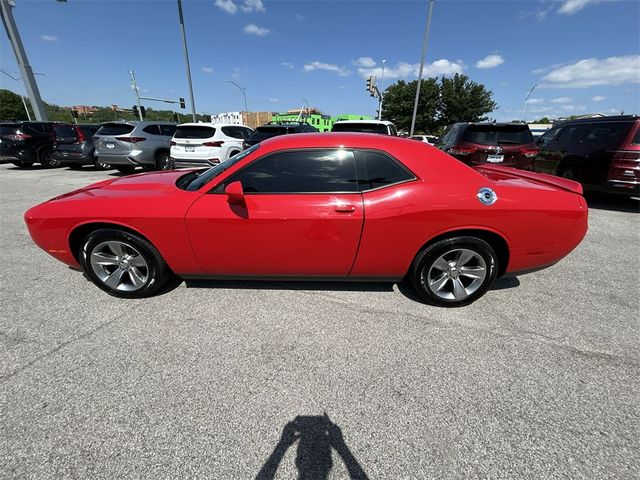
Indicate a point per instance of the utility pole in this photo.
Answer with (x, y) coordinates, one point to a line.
(21, 57)
(186, 60)
(525, 102)
(425, 43)
(135, 89)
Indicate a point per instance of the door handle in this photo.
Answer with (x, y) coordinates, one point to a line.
(345, 208)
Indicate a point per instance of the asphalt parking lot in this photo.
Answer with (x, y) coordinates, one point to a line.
(538, 379)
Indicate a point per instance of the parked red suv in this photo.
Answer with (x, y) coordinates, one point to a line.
(601, 153)
(508, 144)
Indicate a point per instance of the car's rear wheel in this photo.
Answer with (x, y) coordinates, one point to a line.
(570, 173)
(455, 271)
(45, 157)
(100, 165)
(162, 161)
(123, 264)
(125, 168)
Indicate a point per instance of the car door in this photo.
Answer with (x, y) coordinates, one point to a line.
(546, 160)
(302, 216)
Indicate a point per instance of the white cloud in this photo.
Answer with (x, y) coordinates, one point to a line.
(299, 17)
(569, 7)
(490, 61)
(592, 71)
(598, 98)
(274, 99)
(236, 73)
(342, 87)
(330, 67)
(49, 38)
(405, 70)
(560, 100)
(287, 64)
(614, 110)
(535, 101)
(574, 108)
(253, 6)
(227, 5)
(207, 70)
(366, 62)
(248, 6)
(253, 29)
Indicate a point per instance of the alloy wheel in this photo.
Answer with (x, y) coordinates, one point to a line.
(456, 274)
(119, 266)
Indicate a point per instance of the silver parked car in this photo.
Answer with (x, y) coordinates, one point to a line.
(130, 144)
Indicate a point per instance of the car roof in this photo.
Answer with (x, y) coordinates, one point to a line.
(381, 122)
(334, 140)
(138, 122)
(209, 124)
(611, 118)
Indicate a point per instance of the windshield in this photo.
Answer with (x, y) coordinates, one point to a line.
(360, 127)
(115, 129)
(202, 177)
(498, 134)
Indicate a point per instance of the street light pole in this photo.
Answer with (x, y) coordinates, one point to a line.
(186, 60)
(135, 89)
(244, 93)
(425, 43)
(525, 102)
(381, 97)
(23, 62)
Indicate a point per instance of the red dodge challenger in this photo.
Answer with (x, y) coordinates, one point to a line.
(318, 206)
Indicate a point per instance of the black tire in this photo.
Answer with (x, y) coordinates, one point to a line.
(45, 157)
(162, 160)
(125, 168)
(570, 172)
(21, 164)
(156, 273)
(423, 267)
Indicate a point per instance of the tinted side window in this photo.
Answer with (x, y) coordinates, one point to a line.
(547, 137)
(168, 130)
(152, 129)
(607, 134)
(307, 171)
(392, 130)
(236, 132)
(381, 170)
(573, 133)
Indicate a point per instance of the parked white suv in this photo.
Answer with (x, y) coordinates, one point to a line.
(206, 144)
(383, 127)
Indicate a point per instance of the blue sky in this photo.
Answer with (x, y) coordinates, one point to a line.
(583, 54)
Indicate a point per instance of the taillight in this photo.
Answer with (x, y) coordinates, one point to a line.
(458, 150)
(173, 143)
(131, 139)
(529, 152)
(625, 165)
(17, 136)
(213, 144)
(80, 137)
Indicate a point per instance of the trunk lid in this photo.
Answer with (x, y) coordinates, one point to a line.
(502, 174)
(107, 142)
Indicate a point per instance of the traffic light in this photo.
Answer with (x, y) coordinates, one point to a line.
(135, 110)
(143, 111)
(369, 83)
(182, 104)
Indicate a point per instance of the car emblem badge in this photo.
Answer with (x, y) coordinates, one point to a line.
(497, 149)
(487, 196)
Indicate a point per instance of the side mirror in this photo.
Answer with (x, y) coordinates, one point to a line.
(235, 193)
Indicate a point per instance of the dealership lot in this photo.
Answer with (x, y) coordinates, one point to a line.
(539, 378)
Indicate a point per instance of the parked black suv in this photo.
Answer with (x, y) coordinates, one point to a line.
(73, 146)
(601, 153)
(26, 143)
(273, 129)
(508, 144)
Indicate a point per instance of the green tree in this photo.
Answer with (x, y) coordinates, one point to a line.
(462, 100)
(11, 107)
(398, 104)
(542, 120)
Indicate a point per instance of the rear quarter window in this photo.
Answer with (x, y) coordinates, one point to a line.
(607, 135)
(381, 170)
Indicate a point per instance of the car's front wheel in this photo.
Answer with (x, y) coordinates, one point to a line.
(100, 165)
(455, 271)
(123, 264)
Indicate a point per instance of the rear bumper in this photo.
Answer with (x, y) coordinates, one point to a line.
(134, 158)
(17, 155)
(73, 158)
(190, 163)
